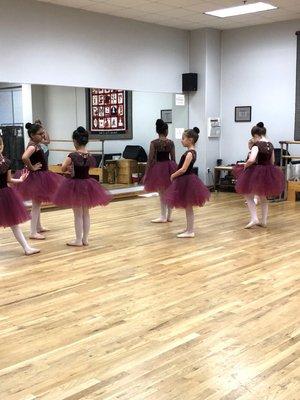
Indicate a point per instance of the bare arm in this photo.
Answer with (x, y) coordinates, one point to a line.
(252, 157)
(66, 165)
(22, 178)
(183, 169)
(273, 157)
(26, 159)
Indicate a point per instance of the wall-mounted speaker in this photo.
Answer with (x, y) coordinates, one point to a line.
(189, 82)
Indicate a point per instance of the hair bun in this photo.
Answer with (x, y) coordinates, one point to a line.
(81, 129)
(260, 125)
(28, 125)
(196, 129)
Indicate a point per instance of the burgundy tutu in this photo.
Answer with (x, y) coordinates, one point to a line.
(158, 175)
(12, 210)
(74, 193)
(40, 186)
(187, 190)
(237, 170)
(261, 180)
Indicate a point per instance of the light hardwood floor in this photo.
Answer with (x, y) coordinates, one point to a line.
(142, 315)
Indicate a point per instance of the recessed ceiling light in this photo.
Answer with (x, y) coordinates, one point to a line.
(240, 10)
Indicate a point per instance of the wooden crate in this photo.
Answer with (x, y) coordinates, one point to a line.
(293, 188)
(125, 170)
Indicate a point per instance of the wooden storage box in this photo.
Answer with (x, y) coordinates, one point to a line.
(125, 170)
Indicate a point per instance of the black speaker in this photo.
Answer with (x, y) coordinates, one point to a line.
(189, 82)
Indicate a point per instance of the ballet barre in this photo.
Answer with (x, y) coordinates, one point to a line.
(101, 151)
(95, 171)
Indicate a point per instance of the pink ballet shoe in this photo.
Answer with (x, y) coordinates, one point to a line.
(75, 244)
(85, 243)
(159, 221)
(252, 224)
(31, 251)
(186, 235)
(43, 230)
(262, 225)
(37, 236)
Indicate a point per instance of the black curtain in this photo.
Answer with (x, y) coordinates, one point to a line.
(297, 113)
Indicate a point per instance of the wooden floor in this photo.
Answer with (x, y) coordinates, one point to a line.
(142, 315)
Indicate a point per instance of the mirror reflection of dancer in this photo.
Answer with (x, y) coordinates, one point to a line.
(80, 192)
(46, 140)
(12, 210)
(41, 184)
(260, 176)
(187, 190)
(161, 164)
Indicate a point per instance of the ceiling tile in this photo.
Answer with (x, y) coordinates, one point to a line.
(185, 14)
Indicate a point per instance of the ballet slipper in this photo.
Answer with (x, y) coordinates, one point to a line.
(75, 244)
(262, 225)
(252, 224)
(42, 230)
(37, 236)
(85, 243)
(31, 251)
(169, 220)
(186, 235)
(159, 221)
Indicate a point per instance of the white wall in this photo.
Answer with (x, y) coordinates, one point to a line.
(205, 59)
(258, 70)
(47, 44)
(62, 109)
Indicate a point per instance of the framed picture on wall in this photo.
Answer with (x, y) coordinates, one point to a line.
(166, 116)
(109, 113)
(243, 114)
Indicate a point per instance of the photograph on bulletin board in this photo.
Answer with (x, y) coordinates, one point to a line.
(109, 112)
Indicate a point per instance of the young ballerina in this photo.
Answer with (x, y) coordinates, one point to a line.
(238, 168)
(187, 190)
(161, 165)
(260, 176)
(12, 210)
(80, 192)
(41, 184)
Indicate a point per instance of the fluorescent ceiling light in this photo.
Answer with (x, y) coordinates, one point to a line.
(240, 10)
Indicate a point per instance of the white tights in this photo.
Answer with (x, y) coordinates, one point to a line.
(18, 234)
(35, 218)
(165, 211)
(82, 224)
(252, 208)
(189, 211)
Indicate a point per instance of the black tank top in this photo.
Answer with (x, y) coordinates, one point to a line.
(4, 168)
(191, 166)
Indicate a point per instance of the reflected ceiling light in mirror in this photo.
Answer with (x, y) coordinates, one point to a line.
(241, 10)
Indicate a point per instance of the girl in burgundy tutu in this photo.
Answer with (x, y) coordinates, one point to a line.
(12, 210)
(187, 190)
(260, 176)
(80, 192)
(239, 167)
(161, 165)
(41, 184)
